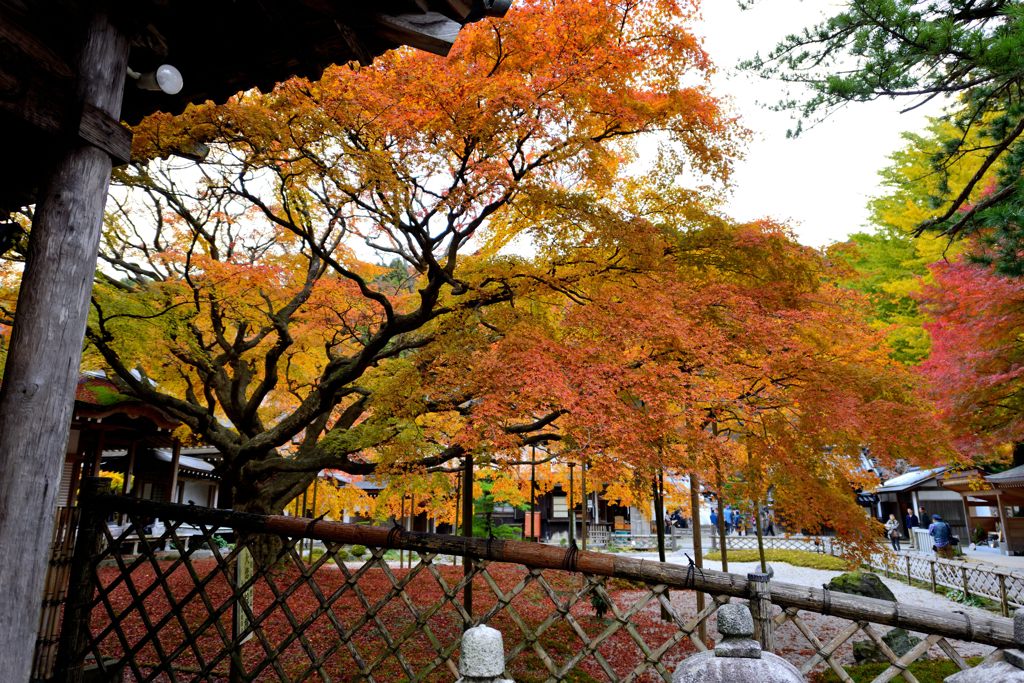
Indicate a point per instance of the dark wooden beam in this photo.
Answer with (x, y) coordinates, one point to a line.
(37, 394)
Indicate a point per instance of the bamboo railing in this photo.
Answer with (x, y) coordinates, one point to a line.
(185, 637)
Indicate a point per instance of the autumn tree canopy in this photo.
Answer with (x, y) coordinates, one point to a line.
(243, 293)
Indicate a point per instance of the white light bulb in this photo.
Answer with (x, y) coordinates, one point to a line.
(169, 79)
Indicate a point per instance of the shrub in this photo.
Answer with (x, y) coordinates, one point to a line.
(357, 551)
(219, 542)
(797, 558)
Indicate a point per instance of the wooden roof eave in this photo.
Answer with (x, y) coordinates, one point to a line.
(267, 42)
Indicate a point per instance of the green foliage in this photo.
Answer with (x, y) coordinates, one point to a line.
(925, 670)
(600, 604)
(965, 598)
(964, 49)
(219, 542)
(483, 509)
(887, 267)
(357, 551)
(797, 558)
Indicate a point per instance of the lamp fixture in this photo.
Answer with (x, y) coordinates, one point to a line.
(166, 79)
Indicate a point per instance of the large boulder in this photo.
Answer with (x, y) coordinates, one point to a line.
(898, 640)
(865, 584)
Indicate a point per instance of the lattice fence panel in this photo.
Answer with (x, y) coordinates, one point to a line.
(169, 616)
(172, 612)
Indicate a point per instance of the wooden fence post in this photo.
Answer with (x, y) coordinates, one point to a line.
(75, 626)
(761, 610)
(963, 574)
(1004, 606)
(935, 587)
(909, 582)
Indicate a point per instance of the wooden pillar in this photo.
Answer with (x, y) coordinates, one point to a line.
(37, 394)
(129, 469)
(1004, 540)
(968, 521)
(97, 453)
(175, 457)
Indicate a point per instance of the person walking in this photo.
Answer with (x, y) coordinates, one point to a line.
(892, 530)
(942, 537)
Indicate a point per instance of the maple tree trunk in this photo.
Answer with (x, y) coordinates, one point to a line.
(698, 544)
(467, 528)
(659, 516)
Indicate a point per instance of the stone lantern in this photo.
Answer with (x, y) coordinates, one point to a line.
(738, 658)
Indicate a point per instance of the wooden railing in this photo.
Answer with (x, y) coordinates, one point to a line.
(196, 616)
(816, 544)
(1000, 585)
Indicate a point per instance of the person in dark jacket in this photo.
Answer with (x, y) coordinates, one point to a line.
(942, 536)
(911, 520)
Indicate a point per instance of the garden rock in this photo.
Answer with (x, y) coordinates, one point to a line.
(898, 640)
(865, 584)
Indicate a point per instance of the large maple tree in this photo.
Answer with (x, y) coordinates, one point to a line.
(723, 350)
(244, 295)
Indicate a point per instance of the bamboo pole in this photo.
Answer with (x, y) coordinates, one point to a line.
(990, 630)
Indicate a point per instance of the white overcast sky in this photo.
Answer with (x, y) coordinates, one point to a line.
(820, 182)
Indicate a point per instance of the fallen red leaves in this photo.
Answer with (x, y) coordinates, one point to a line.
(402, 635)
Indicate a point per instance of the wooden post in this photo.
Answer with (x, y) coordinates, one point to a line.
(1004, 605)
(909, 582)
(467, 529)
(963, 574)
(572, 508)
(533, 494)
(583, 503)
(935, 586)
(401, 523)
(761, 610)
(75, 625)
(458, 501)
(97, 454)
(126, 484)
(37, 395)
(175, 459)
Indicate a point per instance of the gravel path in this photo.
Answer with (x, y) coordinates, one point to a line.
(791, 644)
